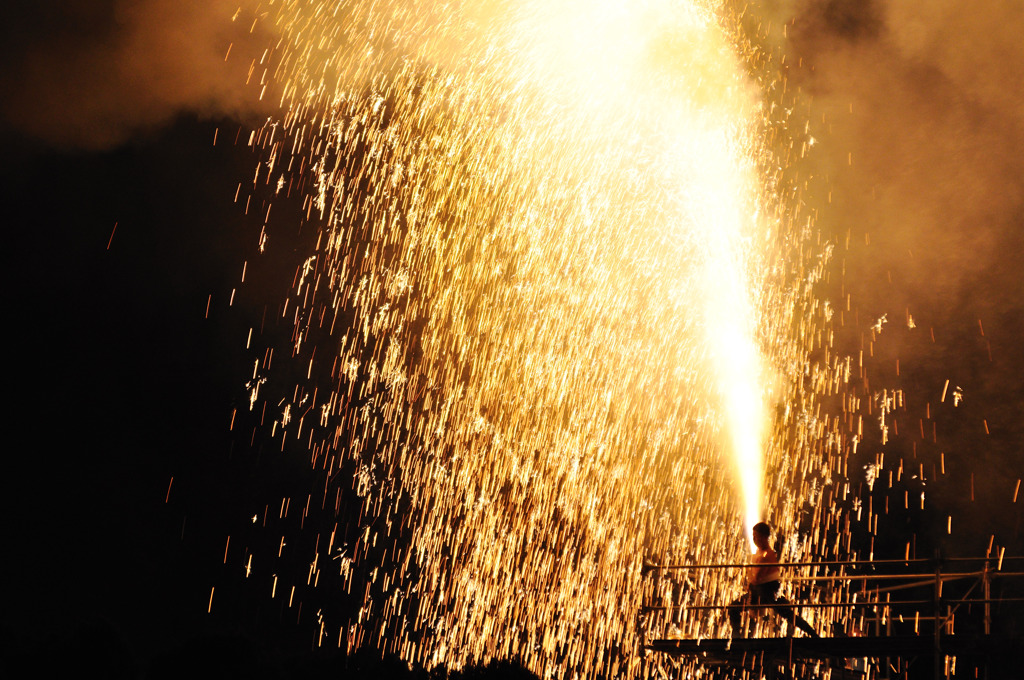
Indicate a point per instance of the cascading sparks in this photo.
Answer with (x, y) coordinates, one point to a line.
(548, 283)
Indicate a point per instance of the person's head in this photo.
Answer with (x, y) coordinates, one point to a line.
(761, 532)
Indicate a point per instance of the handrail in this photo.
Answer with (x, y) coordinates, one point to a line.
(885, 577)
(821, 605)
(825, 563)
(652, 567)
(787, 605)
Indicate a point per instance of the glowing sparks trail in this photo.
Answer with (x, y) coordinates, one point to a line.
(554, 289)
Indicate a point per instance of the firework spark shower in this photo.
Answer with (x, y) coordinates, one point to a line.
(471, 295)
(558, 316)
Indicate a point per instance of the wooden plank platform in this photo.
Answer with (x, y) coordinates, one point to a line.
(807, 648)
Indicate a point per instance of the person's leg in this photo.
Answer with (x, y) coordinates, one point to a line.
(772, 597)
(757, 596)
(793, 620)
(735, 610)
(802, 624)
(786, 612)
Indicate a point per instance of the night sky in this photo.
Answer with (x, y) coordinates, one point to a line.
(122, 232)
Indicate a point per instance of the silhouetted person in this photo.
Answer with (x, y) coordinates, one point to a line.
(763, 587)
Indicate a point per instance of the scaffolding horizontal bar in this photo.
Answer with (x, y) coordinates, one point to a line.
(826, 647)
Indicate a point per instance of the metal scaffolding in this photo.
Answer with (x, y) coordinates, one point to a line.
(878, 637)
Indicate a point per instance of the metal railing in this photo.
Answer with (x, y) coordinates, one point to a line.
(868, 596)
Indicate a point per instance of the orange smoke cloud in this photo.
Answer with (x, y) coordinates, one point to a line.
(90, 74)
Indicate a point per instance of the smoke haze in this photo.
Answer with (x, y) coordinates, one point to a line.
(918, 111)
(90, 73)
(921, 106)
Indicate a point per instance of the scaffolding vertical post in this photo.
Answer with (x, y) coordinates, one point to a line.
(987, 583)
(888, 633)
(938, 664)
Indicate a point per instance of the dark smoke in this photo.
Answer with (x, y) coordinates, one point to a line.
(918, 111)
(922, 108)
(90, 73)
